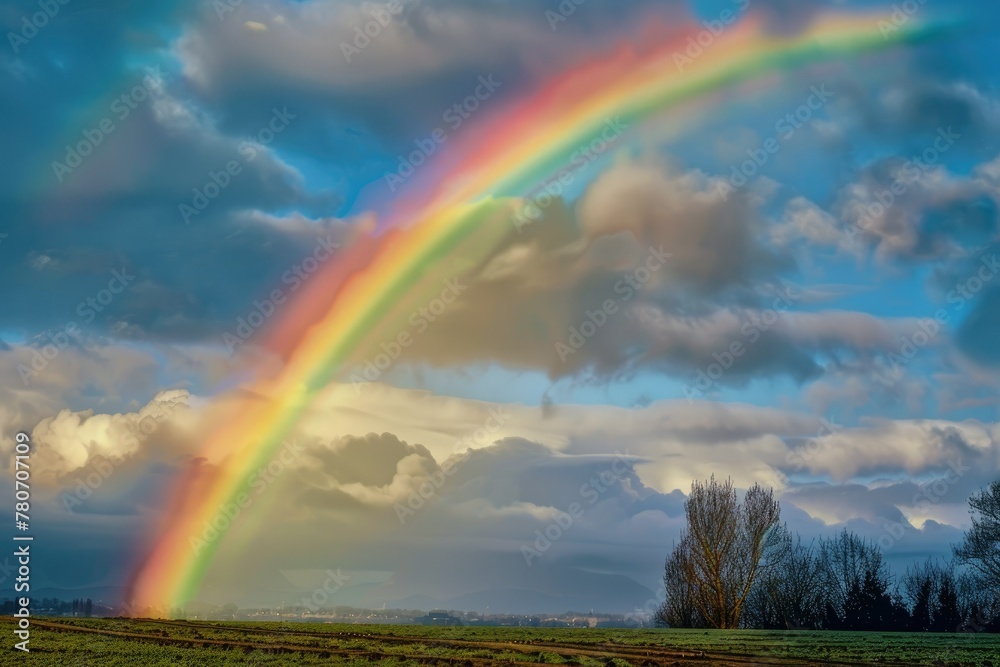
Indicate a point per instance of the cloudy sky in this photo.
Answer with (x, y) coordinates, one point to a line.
(828, 328)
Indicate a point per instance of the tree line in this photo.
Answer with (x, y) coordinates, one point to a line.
(78, 607)
(737, 566)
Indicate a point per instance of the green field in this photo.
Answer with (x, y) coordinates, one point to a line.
(74, 641)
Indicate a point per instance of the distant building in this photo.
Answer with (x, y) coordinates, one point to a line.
(438, 618)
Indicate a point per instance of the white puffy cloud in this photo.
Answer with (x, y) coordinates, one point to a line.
(71, 440)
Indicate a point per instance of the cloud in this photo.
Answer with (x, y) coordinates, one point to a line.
(325, 43)
(979, 332)
(804, 221)
(913, 447)
(71, 441)
(921, 104)
(915, 210)
(119, 208)
(714, 241)
(138, 389)
(436, 491)
(667, 273)
(349, 85)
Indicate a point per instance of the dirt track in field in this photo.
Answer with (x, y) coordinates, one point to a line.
(530, 650)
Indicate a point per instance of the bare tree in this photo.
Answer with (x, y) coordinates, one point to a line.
(981, 547)
(678, 609)
(980, 607)
(723, 549)
(788, 593)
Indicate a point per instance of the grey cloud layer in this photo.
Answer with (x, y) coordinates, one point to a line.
(488, 502)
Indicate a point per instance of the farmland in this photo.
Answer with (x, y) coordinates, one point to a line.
(83, 642)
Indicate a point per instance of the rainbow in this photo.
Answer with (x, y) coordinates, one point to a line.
(478, 185)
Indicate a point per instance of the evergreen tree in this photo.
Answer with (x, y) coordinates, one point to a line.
(947, 617)
(921, 583)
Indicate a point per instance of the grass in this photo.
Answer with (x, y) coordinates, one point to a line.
(74, 641)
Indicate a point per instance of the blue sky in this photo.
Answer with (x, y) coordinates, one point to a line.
(865, 288)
